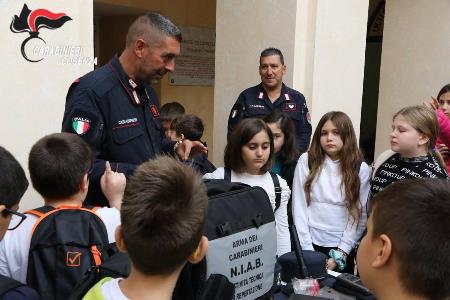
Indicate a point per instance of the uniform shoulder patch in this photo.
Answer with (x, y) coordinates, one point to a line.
(80, 125)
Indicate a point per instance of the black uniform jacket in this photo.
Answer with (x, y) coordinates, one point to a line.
(254, 102)
(118, 118)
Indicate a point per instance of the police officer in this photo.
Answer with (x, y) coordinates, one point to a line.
(115, 109)
(273, 94)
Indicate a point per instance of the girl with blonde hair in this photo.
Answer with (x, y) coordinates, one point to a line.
(412, 155)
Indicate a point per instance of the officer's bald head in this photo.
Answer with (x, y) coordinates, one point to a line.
(152, 27)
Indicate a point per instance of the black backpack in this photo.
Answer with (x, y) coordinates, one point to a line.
(65, 243)
(276, 185)
(116, 265)
(240, 227)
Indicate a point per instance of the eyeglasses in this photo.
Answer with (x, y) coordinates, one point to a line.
(15, 222)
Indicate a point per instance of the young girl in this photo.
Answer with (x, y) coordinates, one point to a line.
(442, 106)
(330, 189)
(414, 133)
(285, 149)
(249, 155)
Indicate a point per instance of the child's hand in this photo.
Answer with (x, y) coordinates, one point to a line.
(331, 264)
(187, 148)
(433, 104)
(113, 186)
(443, 150)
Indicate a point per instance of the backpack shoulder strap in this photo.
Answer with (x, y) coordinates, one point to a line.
(7, 284)
(277, 187)
(227, 174)
(40, 211)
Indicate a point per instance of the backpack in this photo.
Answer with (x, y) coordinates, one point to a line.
(66, 241)
(276, 185)
(115, 265)
(240, 227)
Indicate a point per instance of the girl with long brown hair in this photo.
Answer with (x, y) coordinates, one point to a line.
(330, 189)
(249, 157)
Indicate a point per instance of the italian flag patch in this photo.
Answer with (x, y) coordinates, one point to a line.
(81, 125)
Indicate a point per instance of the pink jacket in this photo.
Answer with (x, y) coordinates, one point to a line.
(444, 134)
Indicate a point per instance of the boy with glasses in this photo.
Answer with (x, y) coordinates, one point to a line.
(59, 165)
(13, 185)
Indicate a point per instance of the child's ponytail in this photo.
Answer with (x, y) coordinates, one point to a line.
(438, 157)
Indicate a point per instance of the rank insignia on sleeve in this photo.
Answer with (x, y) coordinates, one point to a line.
(80, 125)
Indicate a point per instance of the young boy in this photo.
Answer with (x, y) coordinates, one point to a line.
(168, 113)
(405, 254)
(59, 165)
(191, 127)
(13, 184)
(163, 213)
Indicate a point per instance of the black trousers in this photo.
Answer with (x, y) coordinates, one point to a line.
(350, 266)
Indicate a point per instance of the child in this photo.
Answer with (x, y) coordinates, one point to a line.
(285, 148)
(168, 113)
(13, 184)
(330, 189)
(442, 106)
(160, 230)
(405, 254)
(191, 127)
(59, 165)
(286, 151)
(249, 155)
(414, 133)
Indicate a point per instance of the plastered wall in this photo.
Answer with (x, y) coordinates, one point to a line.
(33, 93)
(414, 59)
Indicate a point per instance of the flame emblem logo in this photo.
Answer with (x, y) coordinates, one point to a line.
(32, 21)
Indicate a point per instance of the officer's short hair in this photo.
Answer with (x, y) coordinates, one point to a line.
(142, 26)
(58, 163)
(13, 182)
(163, 213)
(272, 51)
(414, 214)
